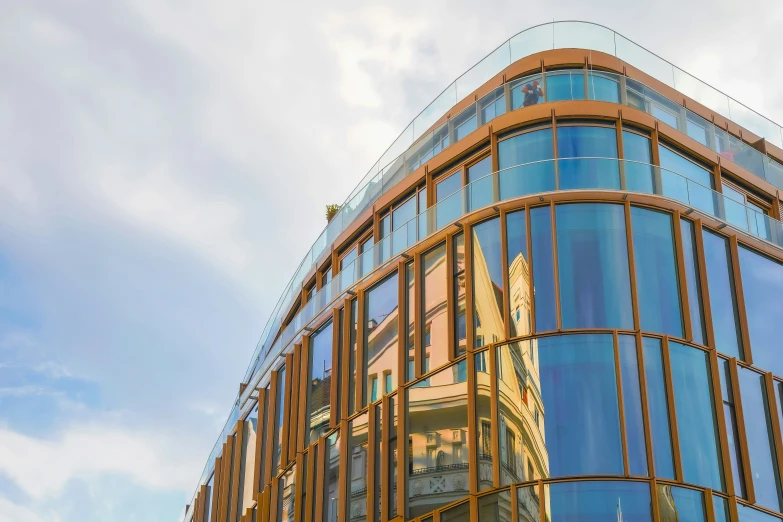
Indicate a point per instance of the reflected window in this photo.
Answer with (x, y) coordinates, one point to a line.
(331, 480)
(286, 496)
(598, 501)
(358, 453)
(723, 303)
(588, 147)
(762, 285)
(458, 513)
(658, 407)
(435, 319)
(483, 418)
(280, 411)
(410, 316)
(392, 458)
(247, 460)
(761, 444)
(656, 272)
(525, 164)
(493, 508)
(487, 283)
(528, 509)
(320, 382)
(696, 424)
(675, 503)
(460, 320)
(492, 105)
(518, 273)
(578, 384)
(692, 281)
(465, 123)
(543, 269)
(380, 332)
(595, 288)
(429, 433)
(637, 156)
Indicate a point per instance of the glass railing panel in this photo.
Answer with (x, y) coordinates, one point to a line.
(698, 128)
(478, 75)
(492, 105)
(527, 91)
(420, 152)
(334, 228)
(403, 237)
(449, 209)
(735, 213)
(439, 106)
(603, 87)
(685, 191)
(393, 173)
(754, 122)
(531, 41)
(480, 193)
(773, 171)
(527, 179)
(639, 177)
(400, 145)
(319, 247)
(768, 228)
(584, 35)
(588, 173)
(366, 262)
(644, 60)
(465, 122)
(700, 92)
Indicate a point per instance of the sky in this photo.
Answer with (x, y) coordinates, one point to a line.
(164, 166)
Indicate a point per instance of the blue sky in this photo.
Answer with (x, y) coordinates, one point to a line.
(164, 165)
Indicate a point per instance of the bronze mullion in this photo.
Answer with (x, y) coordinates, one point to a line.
(494, 415)
(360, 383)
(345, 361)
(298, 487)
(342, 505)
(234, 499)
(217, 477)
(675, 434)
(274, 491)
(750, 491)
(320, 470)
(632, 267)
(228, 455)
(289, 364)
(302, 435)
(541, 502)
(402, 452)
(620, 403)
(656, 510)
(708, 505)
(656, 157)
(386, 419)
(681, 278)
(312, 464)
(514, 505)
(270, 436)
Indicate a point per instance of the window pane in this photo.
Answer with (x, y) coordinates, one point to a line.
(481, 184)
(286, 496)
(436, 320)
(587, 142)
(380, 332)
(684, 504)
(458, 513)
(357, 466)
(527, 92)
(598, 501)
(658, 408)
(352, 356)
(695, 409)
(448, 198)
(280, 410)
(519, 397)
(332, 477)
(722, 298)
(692, 280)
(747, 514)
(404, 213)
(320, 382)
(579, 390)
(656, 272)
(392, 456)
(484, 423)
(518, 273)
(460, 322)
(732, 433)
(632, 406)
(638, 176)
(247, 461)
(525, 149)
(595, 288)
(721, 508)
(528, 504)
(686, 181)
(438, 435)
(762, 278)
(761, 445)
(410, 315)
(603, 88)
(487, 283)
(494, 507)
(543, 269)
(565, 85)
(380, 481)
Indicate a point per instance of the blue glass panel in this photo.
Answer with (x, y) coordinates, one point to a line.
(692, 281)
(762, 284)
(658, 408)
(686, 181)
(732, 437)
(638, 176)
(581, 417)
(656, 272)
(380, 332)
(748, 514)
(487, 283)
(761, 445)
(603, 88)
(587, 142)
(599, 501)
(515, 181)
(449, 199)
(632, 406)
(480, 184)
(320, 374)
(723, 303)
(543, 269)
(565, 85)
(526, 92)
(696, 425)
(721, 509)
(595, 289)
(681, 504)
(518, 273)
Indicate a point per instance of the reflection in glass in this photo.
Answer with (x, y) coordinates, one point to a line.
(748, 514)
(692, 281)
(487, 283)
(286, 496)
(528, 504)
(761, 444)
(686, 181)
(657, 405)
(523, 452)
(632, 406)
(723, 302)
(595, 288)
(603, 87)
(578, 385)
(352, 356)
(280, 411)
(380, 334)
(460, 318)
(696, 425)
(656, 269)
(495, 507)
(448, 198)
(484, 422)
(675, 504)
(518, 273)
(458, 513)
(543, 268)
(762, 278)
(380, 482)
(358, 452)
(435, 321)
(721, 508)
(247, 460)
(391, 453)
(587, 142)
(481, 184)
(526, 92)
(598, 501)
(438, 437)
(309, 461)
(529, 147)
(639, 177)
(332, 477)
(320, 382)
(732, 433)
(565, 85)
(410, 316)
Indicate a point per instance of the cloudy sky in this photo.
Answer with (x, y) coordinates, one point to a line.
(164, 165)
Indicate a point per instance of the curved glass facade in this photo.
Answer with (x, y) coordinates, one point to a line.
(587, 332)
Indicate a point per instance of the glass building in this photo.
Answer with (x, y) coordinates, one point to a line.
(553, 299)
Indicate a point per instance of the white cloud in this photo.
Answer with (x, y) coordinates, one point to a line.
(11, 512)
